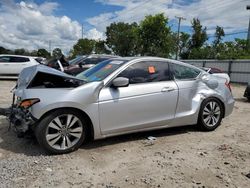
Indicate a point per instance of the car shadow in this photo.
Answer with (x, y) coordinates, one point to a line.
(139, 136)
(241, 99)
(9, 142)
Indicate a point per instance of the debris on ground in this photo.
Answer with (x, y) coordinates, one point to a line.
(151, 138)
(49, 169)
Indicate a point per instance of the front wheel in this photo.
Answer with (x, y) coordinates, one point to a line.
(211, 113)
(61, 131)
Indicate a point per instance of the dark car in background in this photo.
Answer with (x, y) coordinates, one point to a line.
(247, 92)
(216, 72)
(212, 70)
(82, 63)
(58, 64)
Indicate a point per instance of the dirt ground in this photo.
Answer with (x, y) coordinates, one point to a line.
(179, 157)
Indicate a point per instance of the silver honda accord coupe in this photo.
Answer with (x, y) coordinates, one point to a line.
(117, 96)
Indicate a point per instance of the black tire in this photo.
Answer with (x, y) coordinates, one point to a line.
(207, 122)
(248, 98)
(44, 126)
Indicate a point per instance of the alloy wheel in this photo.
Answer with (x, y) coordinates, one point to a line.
(64, 131)
(211, 113)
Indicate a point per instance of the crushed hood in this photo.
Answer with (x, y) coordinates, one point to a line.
(44, 76)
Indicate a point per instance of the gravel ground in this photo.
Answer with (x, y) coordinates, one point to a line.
(179, 157)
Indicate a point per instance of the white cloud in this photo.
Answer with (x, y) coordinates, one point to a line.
(94, 34)
(32, 26)
(230, 14)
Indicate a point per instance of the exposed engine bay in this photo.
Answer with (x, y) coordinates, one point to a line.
(34, 77)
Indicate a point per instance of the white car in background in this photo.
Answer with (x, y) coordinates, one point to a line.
(12, 65)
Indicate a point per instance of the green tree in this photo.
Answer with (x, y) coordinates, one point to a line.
(197, 41)
(217, 43)
(122, 38)
(199, 35)
(100, 47)
(204, 52)
(57, 53)
(219, 34)
(33, 53)
(5, 51)
(20, 51)
(83, 47)
(155, 37)
(43, 53)
(184, 45)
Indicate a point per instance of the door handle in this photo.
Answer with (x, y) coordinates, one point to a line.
(167, 89)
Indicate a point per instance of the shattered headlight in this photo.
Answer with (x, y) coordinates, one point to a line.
(28, 102)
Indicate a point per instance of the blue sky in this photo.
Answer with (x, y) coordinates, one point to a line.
(36, 22)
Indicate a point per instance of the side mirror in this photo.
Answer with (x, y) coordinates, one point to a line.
(120, 82)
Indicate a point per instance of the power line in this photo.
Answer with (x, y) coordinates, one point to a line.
(135, 7)
(228, 34)
(50, 47)
(236, 33)
(215, 5)
(82, 30)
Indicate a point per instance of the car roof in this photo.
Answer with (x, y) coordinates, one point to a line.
(101, 55)
(156, 59)
(18, 55)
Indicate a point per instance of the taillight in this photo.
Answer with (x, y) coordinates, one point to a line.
(227, 84)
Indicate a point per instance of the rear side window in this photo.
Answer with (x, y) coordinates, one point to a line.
(4, 59)
(183, 72)
(19, 59)
(144, 72)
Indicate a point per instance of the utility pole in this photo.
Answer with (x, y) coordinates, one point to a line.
(248, 35)
(50, 47)
(82, 30)
(178, 35)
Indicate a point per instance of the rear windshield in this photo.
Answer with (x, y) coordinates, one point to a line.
(76, 60)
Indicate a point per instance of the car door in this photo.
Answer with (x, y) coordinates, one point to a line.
(149, 100)
(4, 65)
(187, 81)
(17, 64)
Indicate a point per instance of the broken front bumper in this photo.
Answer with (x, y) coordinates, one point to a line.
(21, 119)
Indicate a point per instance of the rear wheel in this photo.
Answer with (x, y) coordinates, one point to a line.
(211, 113)
(61, 131)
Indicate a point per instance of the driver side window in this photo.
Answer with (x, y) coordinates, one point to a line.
(146, 71)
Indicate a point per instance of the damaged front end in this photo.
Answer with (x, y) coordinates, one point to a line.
(36, 77)
(19, 117)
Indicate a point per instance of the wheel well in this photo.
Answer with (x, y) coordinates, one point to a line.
(90, 129)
